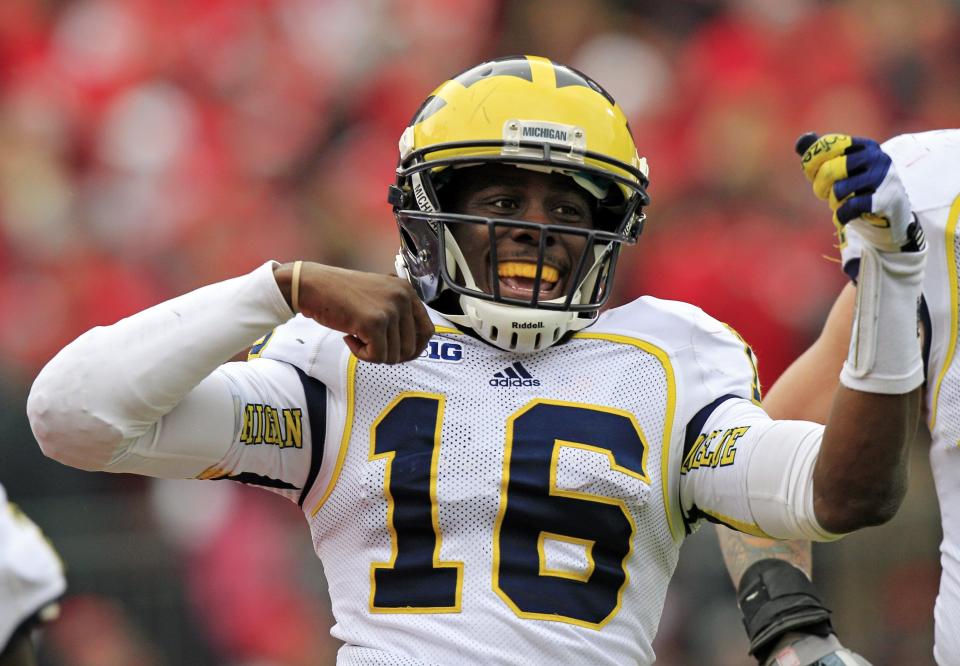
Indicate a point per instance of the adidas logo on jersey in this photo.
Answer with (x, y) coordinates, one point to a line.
(514, 375)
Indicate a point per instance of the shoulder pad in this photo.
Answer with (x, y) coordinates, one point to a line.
(722, 362)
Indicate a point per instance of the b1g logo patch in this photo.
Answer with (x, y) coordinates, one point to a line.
(443, 351)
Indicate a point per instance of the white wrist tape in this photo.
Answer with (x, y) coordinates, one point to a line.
(885, 354)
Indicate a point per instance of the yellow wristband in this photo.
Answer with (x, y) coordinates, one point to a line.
(295, 287)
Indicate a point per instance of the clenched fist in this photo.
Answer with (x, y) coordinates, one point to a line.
(862, 187)
(383, 318)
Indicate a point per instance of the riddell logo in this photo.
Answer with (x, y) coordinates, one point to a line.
(528, 324)
(514, 375)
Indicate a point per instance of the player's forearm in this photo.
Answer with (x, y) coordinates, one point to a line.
(112, 383)
(861, 473)
(741, 550)
(860, 477)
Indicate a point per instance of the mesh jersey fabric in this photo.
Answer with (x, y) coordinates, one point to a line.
(478, 506)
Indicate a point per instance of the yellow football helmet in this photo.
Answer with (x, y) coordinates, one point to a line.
(536, 114)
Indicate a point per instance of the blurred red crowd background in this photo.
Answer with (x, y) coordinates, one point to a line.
(152, 146)
(148, 147)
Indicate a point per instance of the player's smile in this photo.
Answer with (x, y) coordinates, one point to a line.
(509, 193)
(517, 278)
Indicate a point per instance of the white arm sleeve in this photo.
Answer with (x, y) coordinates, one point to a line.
(249, 421)
(753, 474)
(109, 388)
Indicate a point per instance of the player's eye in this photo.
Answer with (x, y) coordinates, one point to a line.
(504, 204)
(570, 213)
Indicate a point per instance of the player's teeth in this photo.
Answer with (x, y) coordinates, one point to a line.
(527, 270)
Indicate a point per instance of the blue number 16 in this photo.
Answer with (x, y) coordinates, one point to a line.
(532, 508)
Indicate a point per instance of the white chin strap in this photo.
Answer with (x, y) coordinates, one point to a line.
(513, 327)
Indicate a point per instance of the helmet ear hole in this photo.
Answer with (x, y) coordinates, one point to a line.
(420, 252)
(407, 240)
(448, 187)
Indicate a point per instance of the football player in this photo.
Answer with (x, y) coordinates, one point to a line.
(31, 582)
(493, 470)
(915, 177)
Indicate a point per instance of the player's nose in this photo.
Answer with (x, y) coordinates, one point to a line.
(537, 212)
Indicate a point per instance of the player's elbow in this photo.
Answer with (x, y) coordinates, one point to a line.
(65, 429)
(851, 511)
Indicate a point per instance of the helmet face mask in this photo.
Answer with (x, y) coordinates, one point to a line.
(438, 255)
(538, 116)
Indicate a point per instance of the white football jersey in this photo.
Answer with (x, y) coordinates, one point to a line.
(929, 166)
(480, 507)
(31, 574)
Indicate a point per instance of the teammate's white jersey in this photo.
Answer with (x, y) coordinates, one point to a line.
(472, 506)
(929, 166)
(31, 574)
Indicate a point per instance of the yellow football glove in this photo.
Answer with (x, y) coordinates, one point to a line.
(860, 182)
(861, 185)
